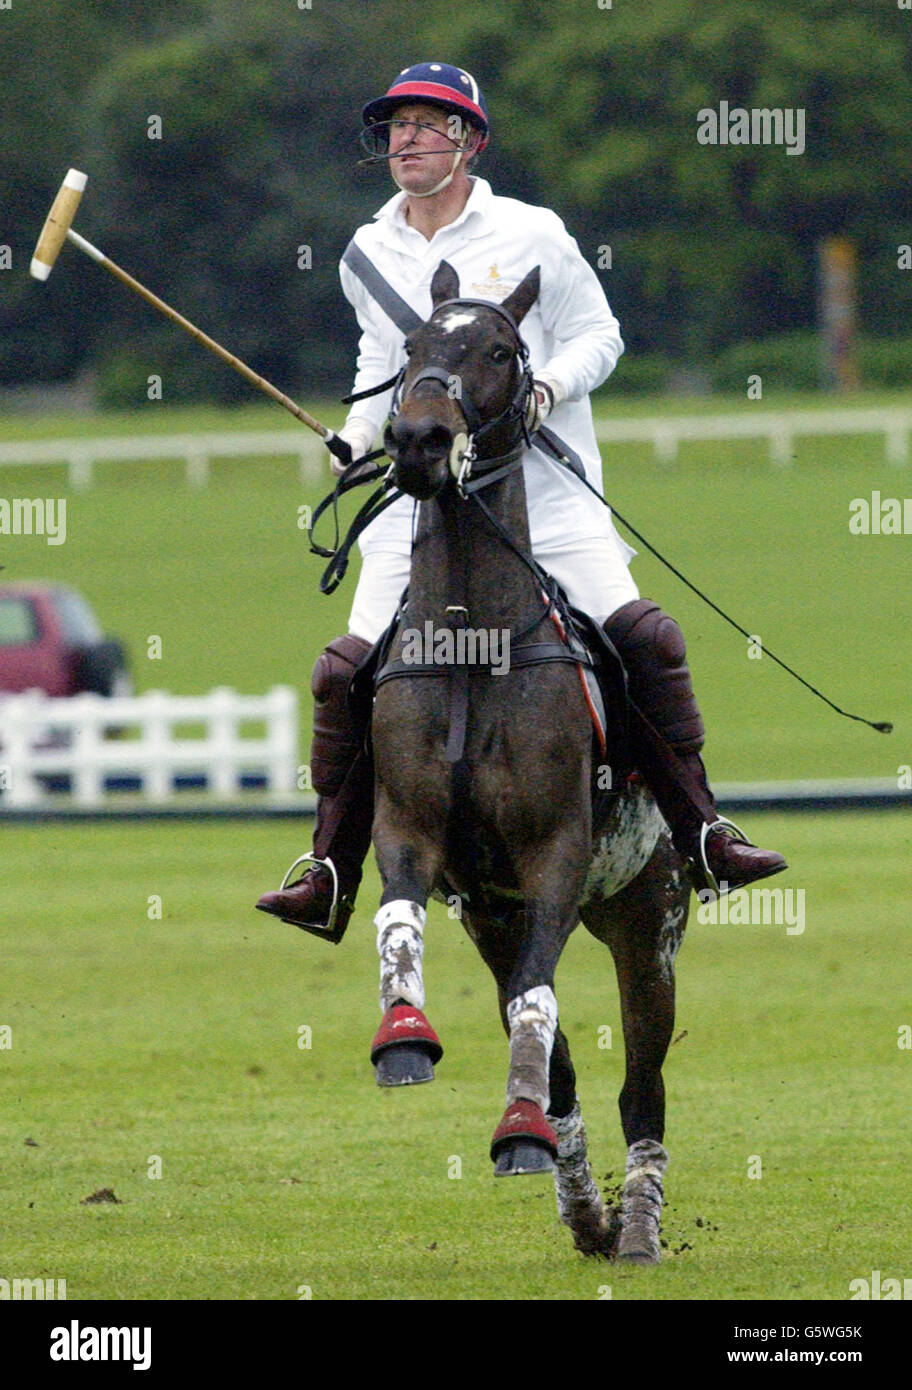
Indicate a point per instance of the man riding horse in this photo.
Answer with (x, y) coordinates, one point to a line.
(430, 126)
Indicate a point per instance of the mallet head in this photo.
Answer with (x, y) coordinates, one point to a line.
(59, 219)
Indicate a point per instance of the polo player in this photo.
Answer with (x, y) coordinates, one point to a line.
(431, 125)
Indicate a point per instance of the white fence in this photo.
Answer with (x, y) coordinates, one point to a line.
(779, 428)
(194, 450)
(664, 433)
(32, 724)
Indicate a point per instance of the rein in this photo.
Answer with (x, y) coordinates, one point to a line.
(475, 473)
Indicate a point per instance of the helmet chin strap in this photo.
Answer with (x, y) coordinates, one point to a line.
(447, 179)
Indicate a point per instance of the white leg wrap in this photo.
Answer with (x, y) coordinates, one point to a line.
(641, 1201)
(532, 1017)
(400, 944)
(575, 1188)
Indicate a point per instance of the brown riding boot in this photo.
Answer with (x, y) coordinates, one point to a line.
(667, 734)
(322, 900)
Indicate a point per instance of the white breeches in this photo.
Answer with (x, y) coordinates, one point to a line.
(593, 574)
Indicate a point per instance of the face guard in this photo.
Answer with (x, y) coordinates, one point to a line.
(375, 139)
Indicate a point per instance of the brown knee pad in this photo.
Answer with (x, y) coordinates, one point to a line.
(337, 736)
(652, 648)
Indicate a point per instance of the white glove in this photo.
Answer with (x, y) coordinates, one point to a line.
(547, 393)
(359, 434)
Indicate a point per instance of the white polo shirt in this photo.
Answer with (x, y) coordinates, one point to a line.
(570, 331)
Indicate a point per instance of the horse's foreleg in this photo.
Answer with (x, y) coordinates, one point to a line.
(546, 1067)
(405, 1047)
(400, 926)
(525, 1141)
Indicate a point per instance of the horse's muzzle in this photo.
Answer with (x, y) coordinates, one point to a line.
(420, 449)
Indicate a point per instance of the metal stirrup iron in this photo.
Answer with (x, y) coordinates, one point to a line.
(317, 927)
(722, 823)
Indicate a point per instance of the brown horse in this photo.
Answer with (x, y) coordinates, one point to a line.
(485, 759)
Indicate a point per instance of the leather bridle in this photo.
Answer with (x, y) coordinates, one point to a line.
(467, 456)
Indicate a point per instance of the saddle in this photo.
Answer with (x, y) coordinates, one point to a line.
(582, 642)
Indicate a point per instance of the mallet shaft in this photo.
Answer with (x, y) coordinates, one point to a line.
(253, 377)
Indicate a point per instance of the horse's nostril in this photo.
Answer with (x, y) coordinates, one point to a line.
(424, 435)
(399, 435)
(438, 439)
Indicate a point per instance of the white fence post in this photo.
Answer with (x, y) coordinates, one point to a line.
(81, 472)
(197, 468)
(898, 443)
(222, 739)
(18, 720)
(88, 771)
(157, 740)
(42, 737)
(780, 443)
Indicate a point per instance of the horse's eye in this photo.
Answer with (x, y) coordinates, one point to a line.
(408, 348)
(500, 354)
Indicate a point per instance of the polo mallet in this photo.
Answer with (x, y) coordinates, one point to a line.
(58, 229)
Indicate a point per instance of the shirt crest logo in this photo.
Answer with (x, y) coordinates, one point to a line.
(493, 286)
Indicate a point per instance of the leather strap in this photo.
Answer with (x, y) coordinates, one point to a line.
(392, 304)
(454, 522)
(529, 654)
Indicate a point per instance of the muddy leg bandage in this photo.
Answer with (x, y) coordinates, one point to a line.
(400, 944)
(532, 1019)
(575, 1188)
(641, 1201)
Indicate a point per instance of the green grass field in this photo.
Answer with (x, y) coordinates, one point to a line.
(134, 1039)
(284, 1166)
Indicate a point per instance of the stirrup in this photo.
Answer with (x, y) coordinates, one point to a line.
(702, 871)
(329, 932)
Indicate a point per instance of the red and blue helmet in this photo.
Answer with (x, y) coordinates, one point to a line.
(437, 84)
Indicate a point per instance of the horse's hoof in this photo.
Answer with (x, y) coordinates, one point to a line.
(405, 1064)
(522, 1156)
(523, 1142)
(405, 1048)
(595, 1232)
(638, 1257)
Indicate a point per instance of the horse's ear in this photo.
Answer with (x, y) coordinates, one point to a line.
(445, 284)
(524, 296)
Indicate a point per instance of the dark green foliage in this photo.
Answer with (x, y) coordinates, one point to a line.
(594, 112)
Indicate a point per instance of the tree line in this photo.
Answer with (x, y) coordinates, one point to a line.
(220, 142)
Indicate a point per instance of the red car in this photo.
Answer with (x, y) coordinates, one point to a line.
(51, 640)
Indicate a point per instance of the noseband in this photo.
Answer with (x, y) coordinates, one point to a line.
(465, 456)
